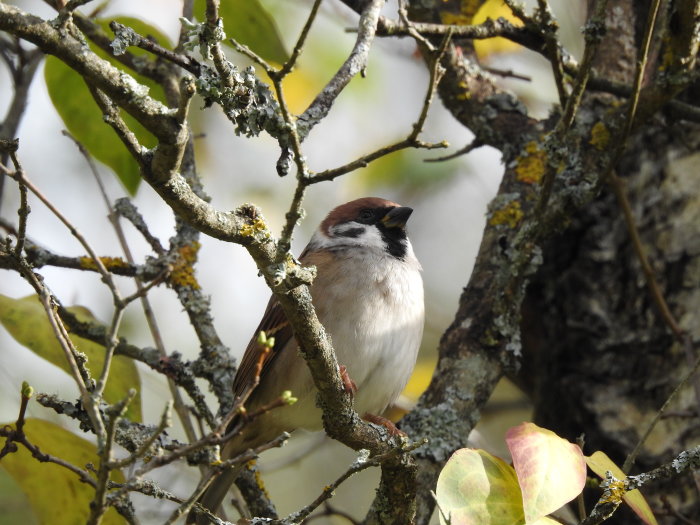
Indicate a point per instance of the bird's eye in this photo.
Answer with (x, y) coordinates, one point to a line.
(366, 215)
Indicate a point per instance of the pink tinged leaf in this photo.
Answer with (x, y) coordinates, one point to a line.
(551, 471)
(476, 488)
(599, 463)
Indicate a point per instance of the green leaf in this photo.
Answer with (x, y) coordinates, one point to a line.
(73, 101)
(248, 23)
(599, 462)
(54, 493)
(476, 488)
(26, 321)
(551, 471)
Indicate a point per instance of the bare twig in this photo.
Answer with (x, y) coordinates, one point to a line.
(549, 28)
(362, 462)
(18, 436)
(140, 453)
(618, 187)
(125, 36)
(22, 65)
(489, 29)
(23, 211)
(614, 489)
(411, 141)
(629, 461)
(126, 209)
(98, 505)
(220, 469)
(291, 62)
(474, 144)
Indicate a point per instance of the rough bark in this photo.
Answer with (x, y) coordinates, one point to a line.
(598, 359)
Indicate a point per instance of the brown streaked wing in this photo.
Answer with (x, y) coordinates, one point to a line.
(274, 323)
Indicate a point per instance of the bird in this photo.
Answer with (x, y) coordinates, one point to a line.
(368, 294)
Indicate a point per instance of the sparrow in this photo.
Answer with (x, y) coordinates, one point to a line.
(368, 294)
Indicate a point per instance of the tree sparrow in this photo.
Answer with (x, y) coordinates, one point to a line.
(368, 294)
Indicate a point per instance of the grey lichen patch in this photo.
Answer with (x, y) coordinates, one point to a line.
(248, 103)
(203, 36)
(687, 460)
(290, 274)
(133, 87)
(442, 425)
(123, 38)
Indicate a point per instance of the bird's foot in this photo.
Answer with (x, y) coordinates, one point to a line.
(348, 384)
(386, 423)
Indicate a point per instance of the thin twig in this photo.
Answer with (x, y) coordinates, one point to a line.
(23, 211)
(291, 62)
(79, 372)
(686, 461)
(595, 28)
(98, 505)
(356, 62)
(474, 144)
(165, 422)
(549, 28)
(629, 461)
(411, 141)
(594, 31)
(127, 34)
(410, 26)
(619, 190)
(19, 176)
(18, 436)
(317, 110)
(362, 462)
(490, 28)
(220, 469)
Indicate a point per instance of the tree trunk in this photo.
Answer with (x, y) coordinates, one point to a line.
(598, 358)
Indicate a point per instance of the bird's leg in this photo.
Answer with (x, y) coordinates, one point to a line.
(386, 423)
(348, 384)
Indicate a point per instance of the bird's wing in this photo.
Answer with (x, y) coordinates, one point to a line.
(275, 324)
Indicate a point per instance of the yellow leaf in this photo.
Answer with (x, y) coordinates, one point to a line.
(599, 462)
(494, 9)
(26, 321)
(476, 488)
(54, 493)
(551, 471)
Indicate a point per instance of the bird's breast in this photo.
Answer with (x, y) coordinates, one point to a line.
(374, 314)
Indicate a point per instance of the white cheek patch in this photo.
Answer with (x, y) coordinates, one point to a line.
(354, 234)
(349, 229)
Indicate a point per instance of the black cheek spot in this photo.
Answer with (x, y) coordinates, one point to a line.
(351, 232)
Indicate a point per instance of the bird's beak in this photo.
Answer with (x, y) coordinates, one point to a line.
(397, 217)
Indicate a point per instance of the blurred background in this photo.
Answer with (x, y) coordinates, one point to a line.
(449, 199)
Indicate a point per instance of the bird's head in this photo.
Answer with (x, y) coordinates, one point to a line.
(370, 223)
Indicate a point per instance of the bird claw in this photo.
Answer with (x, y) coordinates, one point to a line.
(348, 384)
(386, 423)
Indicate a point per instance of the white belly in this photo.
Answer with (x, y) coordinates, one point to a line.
(376, 332)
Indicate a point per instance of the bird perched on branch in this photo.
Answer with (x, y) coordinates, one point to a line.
(368, 294)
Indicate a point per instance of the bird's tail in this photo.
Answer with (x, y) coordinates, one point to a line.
(214, 496)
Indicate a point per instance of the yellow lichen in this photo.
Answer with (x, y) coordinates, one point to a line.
(531, 166)
(258, 479)
(614, 492)
(600, 136)
(510, 215)
(257, 226)
(108, 262)
(182, 273)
